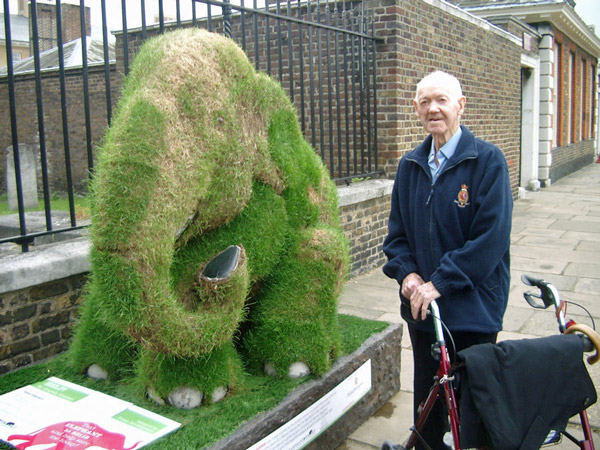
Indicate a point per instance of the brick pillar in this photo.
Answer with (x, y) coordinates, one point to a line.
(390, 80)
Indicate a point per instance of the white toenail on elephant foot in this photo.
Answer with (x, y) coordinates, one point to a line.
(152, 395)
(298, 370)
(185, 398)
(270, 370)
(218, 394)
(97, 372)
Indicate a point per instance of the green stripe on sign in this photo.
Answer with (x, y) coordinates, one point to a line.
(59, 390)
(139, 421)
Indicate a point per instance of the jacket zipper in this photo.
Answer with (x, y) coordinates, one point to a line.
(427, 203)
(430, 194)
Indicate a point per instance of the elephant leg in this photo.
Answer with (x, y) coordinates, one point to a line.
(294, 321)
(187, 382)
(99, 349)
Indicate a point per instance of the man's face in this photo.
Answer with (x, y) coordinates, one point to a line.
(439, 111)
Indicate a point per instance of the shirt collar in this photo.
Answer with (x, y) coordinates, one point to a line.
(444, 154)
(448, 149)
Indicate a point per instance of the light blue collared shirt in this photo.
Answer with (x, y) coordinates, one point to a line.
(444, 153)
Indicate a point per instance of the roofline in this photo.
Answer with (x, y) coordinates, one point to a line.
(475, 19)
(561, 15)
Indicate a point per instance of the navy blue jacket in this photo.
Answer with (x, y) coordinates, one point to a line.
(455, 233)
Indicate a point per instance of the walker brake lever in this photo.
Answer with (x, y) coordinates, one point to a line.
(529, 296)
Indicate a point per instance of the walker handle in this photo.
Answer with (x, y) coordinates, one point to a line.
(548, 293)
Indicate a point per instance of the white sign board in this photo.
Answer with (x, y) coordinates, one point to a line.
(57, 414)
(314, 420)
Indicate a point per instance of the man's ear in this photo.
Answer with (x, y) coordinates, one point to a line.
(462, 101)
(416, 109)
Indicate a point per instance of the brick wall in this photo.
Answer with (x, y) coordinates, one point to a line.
(27, 124)
(365, 225)
(568, 159)
(573, 147)
(35, 322)
(70, 21)
(421, 36)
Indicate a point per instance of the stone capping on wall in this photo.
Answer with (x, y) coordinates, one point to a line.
(53, 262)
(363, 191)
(65, 259)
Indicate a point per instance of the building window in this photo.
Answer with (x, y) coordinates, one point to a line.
(584, 99)
(16, 56)
(592, 102)
(571, 89)
(557, 96)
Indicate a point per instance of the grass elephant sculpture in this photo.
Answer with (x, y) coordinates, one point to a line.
(216, 242)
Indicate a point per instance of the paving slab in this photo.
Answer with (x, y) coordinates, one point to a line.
(555, 236)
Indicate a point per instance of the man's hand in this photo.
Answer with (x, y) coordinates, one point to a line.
(420, 299)
(412, 281)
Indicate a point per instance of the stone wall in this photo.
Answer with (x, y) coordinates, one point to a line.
(35, 322)
(40, 291)
(569, 159)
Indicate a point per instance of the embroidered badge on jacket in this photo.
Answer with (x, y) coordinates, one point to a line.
(462, 199)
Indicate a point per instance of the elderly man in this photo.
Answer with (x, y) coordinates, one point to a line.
(449, 235)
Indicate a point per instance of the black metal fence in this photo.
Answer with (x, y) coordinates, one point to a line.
(322, 53)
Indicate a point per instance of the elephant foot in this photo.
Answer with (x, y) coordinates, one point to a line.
(186, 397)
(97, 372)
(295, 371)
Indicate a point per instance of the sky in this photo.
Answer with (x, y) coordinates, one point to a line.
(589, 11)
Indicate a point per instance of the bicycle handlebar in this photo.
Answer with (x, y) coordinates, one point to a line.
(434, 310)
(550, 297)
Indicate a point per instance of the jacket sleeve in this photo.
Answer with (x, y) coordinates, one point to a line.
(488, 237)
(396, 246)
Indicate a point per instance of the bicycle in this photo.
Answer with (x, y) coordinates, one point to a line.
(446, 383)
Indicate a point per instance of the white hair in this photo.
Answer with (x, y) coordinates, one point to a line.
(440, 78)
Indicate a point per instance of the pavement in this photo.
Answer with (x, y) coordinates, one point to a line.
(555, 236)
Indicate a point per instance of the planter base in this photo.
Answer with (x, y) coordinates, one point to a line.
(383, 349)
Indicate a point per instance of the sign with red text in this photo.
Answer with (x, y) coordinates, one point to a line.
(57, 414)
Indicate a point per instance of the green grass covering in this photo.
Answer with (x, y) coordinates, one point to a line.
(201, 426)
(204, 153)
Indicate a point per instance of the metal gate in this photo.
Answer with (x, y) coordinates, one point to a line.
(322, 53)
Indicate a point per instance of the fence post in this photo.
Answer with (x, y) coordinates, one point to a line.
(227, 19)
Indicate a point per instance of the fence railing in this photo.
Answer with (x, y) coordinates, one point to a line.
(322, 53)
